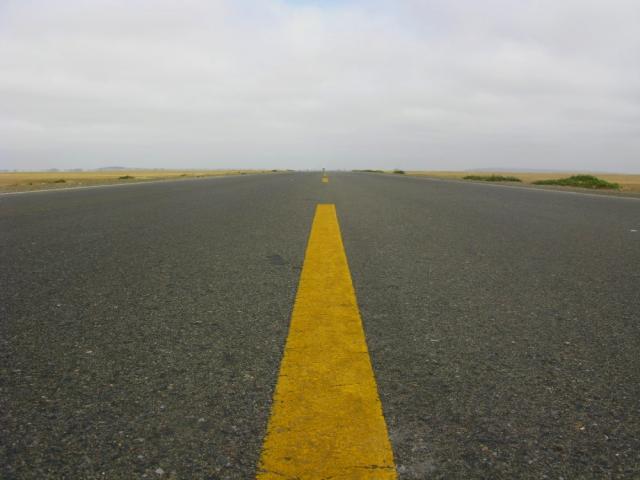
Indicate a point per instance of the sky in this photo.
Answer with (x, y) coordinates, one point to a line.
(416, 85)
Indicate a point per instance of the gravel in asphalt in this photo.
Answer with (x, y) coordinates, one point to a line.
(142, 326)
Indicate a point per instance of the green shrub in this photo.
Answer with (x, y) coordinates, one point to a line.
(126, 177)
(399, 172)
(492, 178)
(583, 181)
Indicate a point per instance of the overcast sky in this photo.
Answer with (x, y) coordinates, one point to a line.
(443, 84)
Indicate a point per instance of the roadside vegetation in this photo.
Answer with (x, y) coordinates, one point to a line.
(399, 172)
(604, 182)
(492, 178)
(582, 181)
(24, 181)
(369, 171)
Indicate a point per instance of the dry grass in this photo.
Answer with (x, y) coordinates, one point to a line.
(628, 183)
(24, 181)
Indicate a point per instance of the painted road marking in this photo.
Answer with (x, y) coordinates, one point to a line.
(325, 179)
(326, 420)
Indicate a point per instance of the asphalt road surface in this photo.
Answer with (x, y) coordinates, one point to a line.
(142, 327)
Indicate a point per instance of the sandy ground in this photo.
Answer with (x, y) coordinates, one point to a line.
(628, 183)
(25, 181)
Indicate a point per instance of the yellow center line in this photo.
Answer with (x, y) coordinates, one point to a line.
(326, 420)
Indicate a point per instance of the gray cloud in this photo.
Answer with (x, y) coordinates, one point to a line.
(301, 84)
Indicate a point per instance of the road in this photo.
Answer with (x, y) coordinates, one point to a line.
(143, 326)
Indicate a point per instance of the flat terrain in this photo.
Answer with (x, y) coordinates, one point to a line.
(25, 181)
(142, 327)
(628, 183)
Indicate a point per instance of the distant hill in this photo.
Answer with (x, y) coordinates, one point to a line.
(112, 168)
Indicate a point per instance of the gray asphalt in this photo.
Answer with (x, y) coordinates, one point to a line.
(142, 326)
